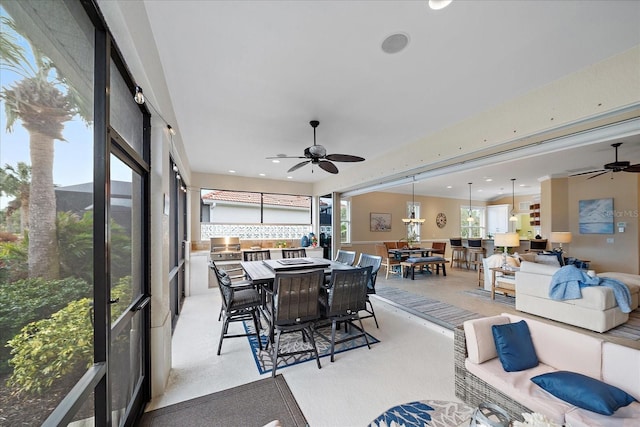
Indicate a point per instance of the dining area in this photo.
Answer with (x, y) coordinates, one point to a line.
(295, 309)
(399, 258)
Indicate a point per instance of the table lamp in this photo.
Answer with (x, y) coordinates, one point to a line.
(560, 237)
(507, 240)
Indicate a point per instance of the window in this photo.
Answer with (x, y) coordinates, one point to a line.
(251, 215)
(345, 221)
(475, 228)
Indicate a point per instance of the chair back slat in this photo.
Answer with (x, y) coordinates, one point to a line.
(381, 250)
(456, 242)
(439, 247)
(474, 243)
(375, 262)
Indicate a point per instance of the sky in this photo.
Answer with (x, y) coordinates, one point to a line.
(73, 159)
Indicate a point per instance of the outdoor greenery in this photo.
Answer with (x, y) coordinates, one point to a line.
(48, 349)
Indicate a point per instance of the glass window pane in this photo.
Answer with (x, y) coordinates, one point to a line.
(46, 147)
(125, 114)
(286, 209)
(126, 247)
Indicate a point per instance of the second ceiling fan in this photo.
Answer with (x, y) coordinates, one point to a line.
(317, 155)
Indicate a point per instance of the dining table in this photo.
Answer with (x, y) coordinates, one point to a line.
(263, 273)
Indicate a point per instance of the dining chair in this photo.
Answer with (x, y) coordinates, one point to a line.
(345, 257)
(346, 297)
(218, 272)
(438, 248)
(375, 262)
(256, 255)
(387, 262)
(295, 309)
(240, 302)
(294, 253)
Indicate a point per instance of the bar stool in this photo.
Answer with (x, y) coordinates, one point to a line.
(474, 249)
(458, 253)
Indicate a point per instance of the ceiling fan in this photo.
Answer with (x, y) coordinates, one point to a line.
(317, 155)
(617, 166)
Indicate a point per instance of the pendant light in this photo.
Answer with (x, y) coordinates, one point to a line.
(412, 218)
(470, 219)
(513, 217)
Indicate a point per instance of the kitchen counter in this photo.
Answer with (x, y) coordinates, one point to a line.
(276, 253)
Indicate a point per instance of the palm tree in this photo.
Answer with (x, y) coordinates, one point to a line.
(42, 101)
(16, 182)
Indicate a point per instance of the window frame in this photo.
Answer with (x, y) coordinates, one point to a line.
(478, 212)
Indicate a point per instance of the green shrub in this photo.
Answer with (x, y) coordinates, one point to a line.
(13, 261)
(26, 301)
(46, 350)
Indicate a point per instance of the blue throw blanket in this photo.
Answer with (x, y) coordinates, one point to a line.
(568, 280)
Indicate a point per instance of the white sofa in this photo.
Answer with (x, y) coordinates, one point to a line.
(597, 310)
(480, 376)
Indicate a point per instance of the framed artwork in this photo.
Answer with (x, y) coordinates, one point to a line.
(380, 221)
(596, 216)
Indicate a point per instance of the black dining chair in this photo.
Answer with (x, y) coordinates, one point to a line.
(346, 297)
(295, 308)
(256, 255)
(375, 262)
(294, 253)
(240, 302)
(345, 257)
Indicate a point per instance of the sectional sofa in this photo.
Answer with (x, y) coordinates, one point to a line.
(481, 377)
(597, 310)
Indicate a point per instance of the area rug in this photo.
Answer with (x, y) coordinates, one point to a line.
(436, 413)
(254, 404)
(292, 342)
(438, 312)
(485, 295)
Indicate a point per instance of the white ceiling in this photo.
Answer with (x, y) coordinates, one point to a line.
(240, 80)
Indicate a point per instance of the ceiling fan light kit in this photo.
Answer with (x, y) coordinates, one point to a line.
(317, 155)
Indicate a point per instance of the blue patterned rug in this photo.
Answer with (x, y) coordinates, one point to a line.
(435, 413)
(293, 342)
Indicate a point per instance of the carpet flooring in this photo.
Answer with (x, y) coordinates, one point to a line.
(438, 312)
(253, 404)
(292, 342)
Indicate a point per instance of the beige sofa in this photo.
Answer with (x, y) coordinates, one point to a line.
(597, 310)
(480, 376)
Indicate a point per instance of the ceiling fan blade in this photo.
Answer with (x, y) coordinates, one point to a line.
(343, 158)
(601, 173)
(299, 165)
(328, 166)
(588, 172)
(633, 168)
(286, 157)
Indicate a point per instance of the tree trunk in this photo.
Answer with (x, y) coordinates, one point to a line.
(24, 213)
(43, 243)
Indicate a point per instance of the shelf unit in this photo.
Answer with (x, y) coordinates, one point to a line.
(534, 216)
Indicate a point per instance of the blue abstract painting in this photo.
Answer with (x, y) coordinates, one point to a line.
(596, 216)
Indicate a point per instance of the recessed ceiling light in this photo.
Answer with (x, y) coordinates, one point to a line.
(289, 177)
(489, 179)
(395, 43)
(480, 190)
(275, 161)
(262, 174)
(439, 4)
(449, 186)
(523, 185)
(232, 171)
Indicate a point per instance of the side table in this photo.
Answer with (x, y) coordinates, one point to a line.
(505, 287)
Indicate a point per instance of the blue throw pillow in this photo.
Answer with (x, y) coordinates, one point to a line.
(583, 391)
(514, 346)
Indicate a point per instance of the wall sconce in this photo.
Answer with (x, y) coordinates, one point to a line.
(171, 130)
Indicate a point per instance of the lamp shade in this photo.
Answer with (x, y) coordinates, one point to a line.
(509, 240)
(560, 237)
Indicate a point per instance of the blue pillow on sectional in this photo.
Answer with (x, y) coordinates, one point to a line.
(514, 346)
(583, 391)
